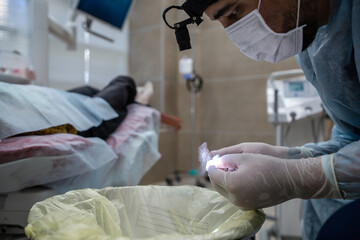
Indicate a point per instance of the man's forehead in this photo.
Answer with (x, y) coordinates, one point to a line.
(223, 10)
(239, 5)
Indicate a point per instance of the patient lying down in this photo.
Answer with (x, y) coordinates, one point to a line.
(118, 94)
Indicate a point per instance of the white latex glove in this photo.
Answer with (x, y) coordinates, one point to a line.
(260, 181)
(259, 148)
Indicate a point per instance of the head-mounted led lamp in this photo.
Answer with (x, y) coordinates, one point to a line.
(195, 10)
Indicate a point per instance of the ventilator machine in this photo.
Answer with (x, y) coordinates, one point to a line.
(290, 97)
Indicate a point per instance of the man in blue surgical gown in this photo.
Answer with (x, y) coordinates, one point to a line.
(325, 37)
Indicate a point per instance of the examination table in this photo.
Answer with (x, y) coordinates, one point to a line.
(33, 168)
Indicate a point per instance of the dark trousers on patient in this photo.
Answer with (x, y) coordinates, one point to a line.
(119, 93)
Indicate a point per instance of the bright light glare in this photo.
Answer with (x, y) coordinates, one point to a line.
(86, 59)
(215, 161)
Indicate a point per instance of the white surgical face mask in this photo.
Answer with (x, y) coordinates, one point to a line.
(258, 41)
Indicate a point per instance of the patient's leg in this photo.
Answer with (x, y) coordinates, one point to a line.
(85, 90)
(119, 93)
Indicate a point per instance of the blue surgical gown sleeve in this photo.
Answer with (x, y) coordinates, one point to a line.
(340, 158)
(338, 141)
(332, 64)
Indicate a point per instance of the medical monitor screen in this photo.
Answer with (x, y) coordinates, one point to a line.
(296, 86)
(113, 12)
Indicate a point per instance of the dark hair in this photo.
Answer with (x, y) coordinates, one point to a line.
(307, 16)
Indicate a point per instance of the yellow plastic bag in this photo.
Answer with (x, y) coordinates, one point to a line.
(141, 212)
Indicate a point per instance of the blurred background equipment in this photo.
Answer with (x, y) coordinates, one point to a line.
(15, 67)
(290, 98)
(110, 12)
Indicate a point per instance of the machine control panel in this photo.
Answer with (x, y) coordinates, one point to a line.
(296, 88)
(291, 97)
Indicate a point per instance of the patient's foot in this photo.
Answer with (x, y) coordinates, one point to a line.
(145, 93)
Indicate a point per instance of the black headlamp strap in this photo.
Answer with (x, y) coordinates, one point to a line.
(165, 12)
(195, 11)
(183, 23)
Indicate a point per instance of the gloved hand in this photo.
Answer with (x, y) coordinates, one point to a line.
(259, 148)
(260, 181)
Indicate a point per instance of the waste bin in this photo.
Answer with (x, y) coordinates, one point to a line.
(141, 212)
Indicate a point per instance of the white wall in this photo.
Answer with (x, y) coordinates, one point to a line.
(65, 67)
(15, 33)
(107, 60)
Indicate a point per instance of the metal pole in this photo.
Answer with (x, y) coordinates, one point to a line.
(193, 127)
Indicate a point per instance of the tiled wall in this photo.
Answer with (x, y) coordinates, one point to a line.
(153, 57)
(231, 107)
